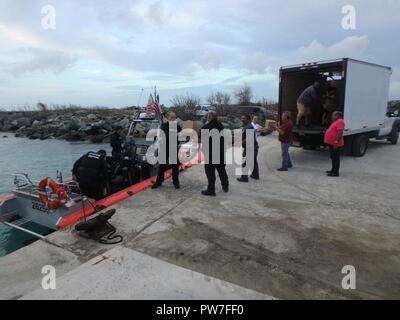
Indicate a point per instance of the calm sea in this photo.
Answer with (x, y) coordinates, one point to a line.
(38, 159)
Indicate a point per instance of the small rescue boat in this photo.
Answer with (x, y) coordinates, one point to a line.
(24, 205)
(58, 204)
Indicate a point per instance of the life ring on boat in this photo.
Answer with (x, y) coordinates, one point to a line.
(59, 191)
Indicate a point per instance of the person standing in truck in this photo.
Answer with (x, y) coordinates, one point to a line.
(334, 139)
(329, 105)
(308, 103)
(286, 138)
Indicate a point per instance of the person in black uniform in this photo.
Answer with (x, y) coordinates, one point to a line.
(247, 126)
(211, 166)
(169, 127)
(116, 143)
(90, 171)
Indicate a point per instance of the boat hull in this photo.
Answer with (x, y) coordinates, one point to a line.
(25, 204)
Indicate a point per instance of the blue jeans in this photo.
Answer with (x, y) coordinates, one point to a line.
(286, 161)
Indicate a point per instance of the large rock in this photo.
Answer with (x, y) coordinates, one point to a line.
(21, 122)
(75, 124)
(34, 137)
(91, 117)
(97, 139)
(8, 127)
(124, 123)
(99, 124)
(75, 136)
(36, 124)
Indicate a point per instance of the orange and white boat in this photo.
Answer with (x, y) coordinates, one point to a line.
(59, 204)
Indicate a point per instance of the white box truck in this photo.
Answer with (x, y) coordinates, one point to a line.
(361, 94)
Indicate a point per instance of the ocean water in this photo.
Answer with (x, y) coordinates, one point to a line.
(38, 159)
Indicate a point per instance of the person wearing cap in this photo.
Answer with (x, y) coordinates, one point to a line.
(248, 128)
(116, 143)
(210, 150)
(171, 130)
(91, 172)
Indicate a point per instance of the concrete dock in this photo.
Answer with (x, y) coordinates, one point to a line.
(287, 236)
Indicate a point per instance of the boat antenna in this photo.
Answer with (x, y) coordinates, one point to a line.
(140, 97)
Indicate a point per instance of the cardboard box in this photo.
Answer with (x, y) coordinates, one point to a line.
(194, 125)
(270, 124)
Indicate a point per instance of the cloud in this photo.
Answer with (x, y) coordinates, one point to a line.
(41, 60)
(92, 72)
(258, 62)
(182, 44)
(350, 47)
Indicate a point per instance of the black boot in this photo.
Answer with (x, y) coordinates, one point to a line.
(208, 193)
(156, 185)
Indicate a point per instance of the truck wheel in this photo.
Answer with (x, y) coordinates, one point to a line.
(394, 137)
(348, 145)
(360, 145)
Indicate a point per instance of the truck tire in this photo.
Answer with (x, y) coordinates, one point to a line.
(348, 145)
(360, 145)
(394, 137)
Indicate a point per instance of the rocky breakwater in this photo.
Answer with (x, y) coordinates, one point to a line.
(78, 125)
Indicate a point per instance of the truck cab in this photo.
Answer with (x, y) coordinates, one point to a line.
(361, 92)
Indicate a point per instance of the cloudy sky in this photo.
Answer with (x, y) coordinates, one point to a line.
(103, 52)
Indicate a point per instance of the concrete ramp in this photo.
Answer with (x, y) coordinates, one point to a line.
(287, 236)
(123, 273)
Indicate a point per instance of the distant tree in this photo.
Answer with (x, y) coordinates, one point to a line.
(185, 106)
(219, 99)
(42, 107)
(243, 95)
(188, 102)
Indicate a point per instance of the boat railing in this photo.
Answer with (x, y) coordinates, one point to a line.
(22, 180)
(24, 185)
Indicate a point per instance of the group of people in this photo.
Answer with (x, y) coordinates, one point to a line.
(251, 128)
(91, 169)
(172, 129)
(315, 106)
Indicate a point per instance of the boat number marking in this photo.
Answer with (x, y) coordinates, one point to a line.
(40, 207)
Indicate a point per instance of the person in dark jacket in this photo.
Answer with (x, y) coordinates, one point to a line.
(116, 143)
(248, 127)
(172, 128)
(90, 171)
(210, 150)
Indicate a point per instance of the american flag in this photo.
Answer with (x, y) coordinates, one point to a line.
(153, 106)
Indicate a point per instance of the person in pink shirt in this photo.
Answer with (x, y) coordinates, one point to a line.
(334, 139)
